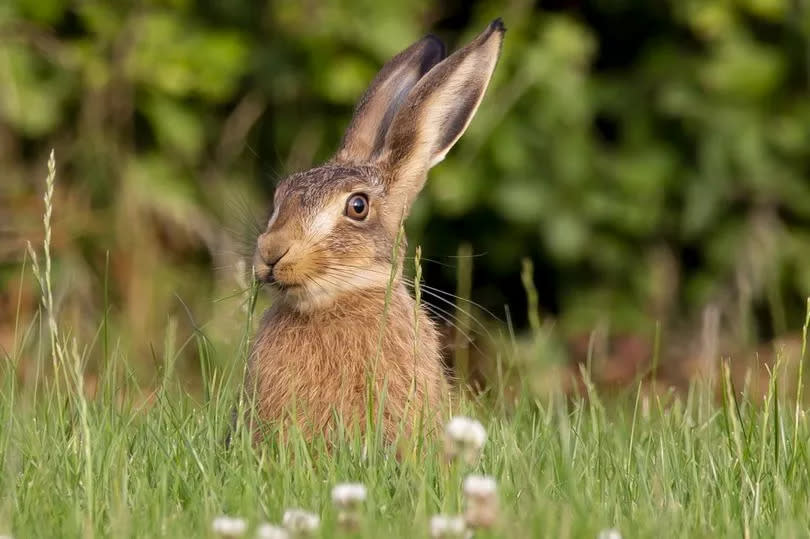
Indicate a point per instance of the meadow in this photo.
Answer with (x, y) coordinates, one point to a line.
(616, 253)
(129, 459)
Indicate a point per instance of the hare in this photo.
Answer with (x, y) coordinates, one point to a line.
(344, 337)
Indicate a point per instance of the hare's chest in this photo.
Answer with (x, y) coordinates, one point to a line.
(316, 370)
(317, 373)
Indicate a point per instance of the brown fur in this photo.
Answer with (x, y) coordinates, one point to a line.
(342, 336)
(310, 367)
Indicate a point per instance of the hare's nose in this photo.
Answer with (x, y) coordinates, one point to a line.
(271, 249)
(273, 262)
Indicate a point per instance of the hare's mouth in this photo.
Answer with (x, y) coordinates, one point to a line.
(264, 274)
(286, 287)
(282, 286)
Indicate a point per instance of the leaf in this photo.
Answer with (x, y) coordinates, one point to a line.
(34, 95)
(183, 59)
(176, 124)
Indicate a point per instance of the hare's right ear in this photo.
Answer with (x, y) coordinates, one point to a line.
(436, 113)
(367, 130)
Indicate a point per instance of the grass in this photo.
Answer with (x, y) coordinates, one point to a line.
(136, 461)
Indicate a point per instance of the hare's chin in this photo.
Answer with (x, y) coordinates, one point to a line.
(306, 298)
(303, 299)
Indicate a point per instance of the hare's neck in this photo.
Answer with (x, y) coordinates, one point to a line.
(355, 307)
(358, 325)
(356, 329)
(369, 287)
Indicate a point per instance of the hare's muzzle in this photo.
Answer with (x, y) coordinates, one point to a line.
(262, 271)
(270, 250)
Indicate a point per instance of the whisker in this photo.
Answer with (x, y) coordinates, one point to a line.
(327, 248)
(333, 278)
(316, 283)
(444, 300)
(445, 318)
(341, 274)
(433, 291)
(444, 315)
(454, 317)
(466, 313)
(454, 296)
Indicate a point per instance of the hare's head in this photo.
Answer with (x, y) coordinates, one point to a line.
(334, 227)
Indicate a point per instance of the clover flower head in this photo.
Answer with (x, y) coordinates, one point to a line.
(300, 522)
(464, 437)
(271, 531)
(348, 499)
(481, 501)
(226, 526)
(348, 495)
(479, 486)
(448, 527)
(611, 533)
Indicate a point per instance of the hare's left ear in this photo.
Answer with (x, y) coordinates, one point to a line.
(366, 132)
(436, 113)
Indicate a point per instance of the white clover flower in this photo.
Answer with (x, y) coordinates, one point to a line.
(481, 501)
(270, 531)
(467, 430)
(479, 486)
(348, 499)
(348, 495)
(300, 522)
(611, 533)
(448, 527)
(464, 437)
(226, 526)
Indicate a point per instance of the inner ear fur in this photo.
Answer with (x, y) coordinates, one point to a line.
(437, 112)
(378, 106)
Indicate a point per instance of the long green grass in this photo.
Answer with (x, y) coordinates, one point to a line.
(149, 461)
(565, 469)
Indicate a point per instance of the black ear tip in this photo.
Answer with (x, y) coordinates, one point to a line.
(497, 26)
(437, 45)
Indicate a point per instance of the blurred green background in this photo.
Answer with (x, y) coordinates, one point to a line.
(651, 157)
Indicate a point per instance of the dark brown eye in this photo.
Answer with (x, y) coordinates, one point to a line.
(357, 207)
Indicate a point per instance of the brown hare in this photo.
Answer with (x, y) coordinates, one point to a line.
(344, 329)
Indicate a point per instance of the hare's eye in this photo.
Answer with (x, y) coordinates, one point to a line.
(357, 207)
